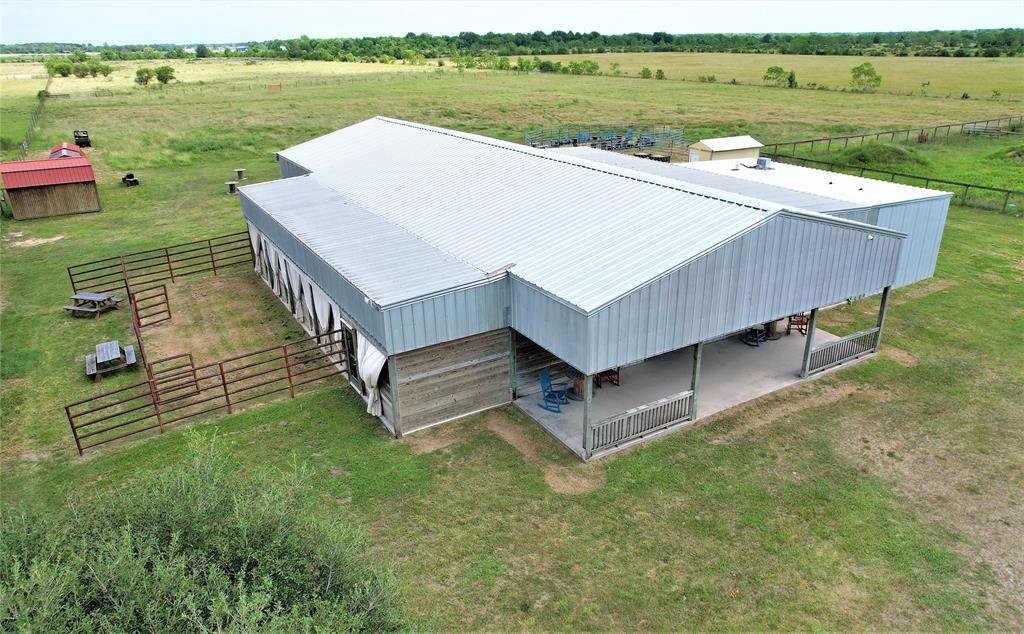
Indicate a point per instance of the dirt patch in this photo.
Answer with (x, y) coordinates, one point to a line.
(918, 291)
(763, 412)
(435, 439)
(570, 480)
(901, 357)
(34, 242)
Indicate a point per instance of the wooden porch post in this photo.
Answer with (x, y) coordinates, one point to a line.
(882, 308)
(396, 412)
(513, 378)
(698, 353)
(809, 344)
(588, 394)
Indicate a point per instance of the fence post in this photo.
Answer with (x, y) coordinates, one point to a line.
(170, 267)
(809, 344)
(124, 274)
(884, 304)
(213, 261)
(153, 394)
(224, 386)
(1006, 200)
(967, 188)
(288, 369)
(74, 432)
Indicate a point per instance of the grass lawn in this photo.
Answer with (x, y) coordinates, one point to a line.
(883, 496)
(947, 77)
(18, 98)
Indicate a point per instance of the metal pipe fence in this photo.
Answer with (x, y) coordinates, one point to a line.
(985, 197)
(617, 137)
(922, 133)
(176, 389)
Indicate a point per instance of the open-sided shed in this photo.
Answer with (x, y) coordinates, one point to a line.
(462, 265)
(50, 187)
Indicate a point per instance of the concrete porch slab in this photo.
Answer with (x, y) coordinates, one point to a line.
(731, 373)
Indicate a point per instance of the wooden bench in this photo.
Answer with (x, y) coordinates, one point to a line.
(82, 311)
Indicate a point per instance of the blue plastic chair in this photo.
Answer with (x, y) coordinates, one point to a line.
(554, 394)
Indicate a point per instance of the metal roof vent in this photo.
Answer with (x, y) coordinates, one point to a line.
(764, 163)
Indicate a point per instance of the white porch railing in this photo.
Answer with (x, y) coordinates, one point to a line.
(641, 421)
(842, 350)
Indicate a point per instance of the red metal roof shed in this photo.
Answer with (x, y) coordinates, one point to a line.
(66, 150)
(21, 174)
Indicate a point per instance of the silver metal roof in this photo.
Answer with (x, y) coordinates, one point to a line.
(582, 231)
(680, 171)
(386, 263)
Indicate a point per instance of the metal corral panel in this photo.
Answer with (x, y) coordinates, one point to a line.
(923, 222)
(788, 197)
(290, 169)
(786, 266)
(446, 317)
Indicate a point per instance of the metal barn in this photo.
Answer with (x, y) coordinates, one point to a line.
(50, 187)
(459, 267)
(920, 213)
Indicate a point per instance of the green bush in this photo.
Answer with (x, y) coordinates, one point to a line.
(875, 154)
(199, 547)
(163, 74)
(646, 73)
(143, 76)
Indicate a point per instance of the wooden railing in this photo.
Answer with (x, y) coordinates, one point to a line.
(842, 350)
(641, 421)
(176, 389)
(143, 270)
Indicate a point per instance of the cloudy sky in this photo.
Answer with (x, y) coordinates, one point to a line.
(212, 21)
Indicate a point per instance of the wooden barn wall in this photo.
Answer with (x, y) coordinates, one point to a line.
(53, 200)
(452, 379)
(530, 360)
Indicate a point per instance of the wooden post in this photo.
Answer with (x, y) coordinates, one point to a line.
(588, 395)
(882, 308)
(288, 369)
(513, 379)
(396, 412)
(698, 354)
(809, 344)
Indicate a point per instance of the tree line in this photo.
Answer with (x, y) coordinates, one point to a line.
(417, 47)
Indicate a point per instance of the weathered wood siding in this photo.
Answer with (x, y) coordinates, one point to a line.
(53, 200)
(452, 379)
(530, 360)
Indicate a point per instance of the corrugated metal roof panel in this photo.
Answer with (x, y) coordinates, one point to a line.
(865, 192)
(383, 260)
(21, 174)
(726, 182)
(727, 143)
(66, 150)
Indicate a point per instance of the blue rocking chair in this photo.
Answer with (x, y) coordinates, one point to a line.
(554, 394)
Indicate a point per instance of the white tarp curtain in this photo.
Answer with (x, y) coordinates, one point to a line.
(254, 242)
(307, 297)
(370, 361)
(295, 284)
(323, 309)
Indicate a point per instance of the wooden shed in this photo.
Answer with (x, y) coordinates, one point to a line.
(51, 187)
(729, 147)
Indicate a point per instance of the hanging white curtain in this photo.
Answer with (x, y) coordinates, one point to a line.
(322, 303)
(370, 361)
(295, 283)
(254, 242)
(307, 288)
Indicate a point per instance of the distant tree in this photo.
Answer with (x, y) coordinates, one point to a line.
(80, 70)
(163, 74)
(646, 73)
(58, 66)
(775, 75)
(615, 68)
(202, 51)
(143, 76)
(865, 77)
(659, 74)
(77, 56)
(791, 79)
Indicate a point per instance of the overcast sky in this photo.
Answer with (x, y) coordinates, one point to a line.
(212, 21)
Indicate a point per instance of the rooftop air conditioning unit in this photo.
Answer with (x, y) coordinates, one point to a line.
(764, 163)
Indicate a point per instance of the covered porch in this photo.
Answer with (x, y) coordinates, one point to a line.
(656, 396)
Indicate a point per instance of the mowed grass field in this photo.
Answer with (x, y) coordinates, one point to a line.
(946, 76)
(883, 496)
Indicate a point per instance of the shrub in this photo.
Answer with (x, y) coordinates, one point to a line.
(775, 75)
(80, 69)
(143, 76)
(865, 77)
(659, 74)
(199, 547)
(163, 74)
(875, 154)
(646, 73)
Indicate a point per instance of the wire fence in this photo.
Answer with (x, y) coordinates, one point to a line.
(23, 146)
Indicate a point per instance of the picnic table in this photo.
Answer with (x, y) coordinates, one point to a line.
(92, 304)
(109, 356)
